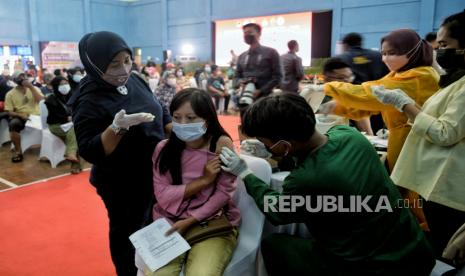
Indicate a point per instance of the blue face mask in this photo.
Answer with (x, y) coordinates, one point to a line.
(189, 132)
(77, 78)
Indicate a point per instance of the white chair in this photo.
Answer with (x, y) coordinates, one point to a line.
(52, 147)
(192, 83)
(32, 133)
(243, 261)
(203, 84)
(4, 132)
(440, 268)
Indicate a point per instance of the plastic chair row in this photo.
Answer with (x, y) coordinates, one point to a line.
(36, 132)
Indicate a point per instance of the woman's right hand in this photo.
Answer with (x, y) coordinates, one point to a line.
(211, 170)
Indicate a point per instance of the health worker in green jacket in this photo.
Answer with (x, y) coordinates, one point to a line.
(338, 188)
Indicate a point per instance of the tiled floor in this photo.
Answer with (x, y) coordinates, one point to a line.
(30, 170)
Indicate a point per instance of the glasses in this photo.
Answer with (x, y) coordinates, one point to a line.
(280, 141)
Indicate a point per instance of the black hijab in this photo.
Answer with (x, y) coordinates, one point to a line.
(55, 84)
(96, 51)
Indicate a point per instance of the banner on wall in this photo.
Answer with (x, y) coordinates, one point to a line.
(59, 54)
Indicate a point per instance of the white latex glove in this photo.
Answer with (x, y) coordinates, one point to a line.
(327, 108)
(233, 163)
(255, 148)
(395, 97)
(383, 133)
(123, 120)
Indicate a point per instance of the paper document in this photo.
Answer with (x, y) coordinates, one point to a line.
(377, 142)
(34, 122)
(67, 126)
(154, 248)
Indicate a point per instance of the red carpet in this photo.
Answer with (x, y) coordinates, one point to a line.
(230, 124)
(58, 227)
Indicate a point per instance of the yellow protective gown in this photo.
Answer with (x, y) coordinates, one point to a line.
(356, 102)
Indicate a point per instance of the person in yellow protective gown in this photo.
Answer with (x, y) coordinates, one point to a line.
(431, 161)
(409, 60)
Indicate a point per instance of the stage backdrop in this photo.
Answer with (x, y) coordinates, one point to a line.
(277, 30)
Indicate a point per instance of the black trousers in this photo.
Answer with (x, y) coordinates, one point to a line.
(128, 211)
(443, 222)
(217, 98)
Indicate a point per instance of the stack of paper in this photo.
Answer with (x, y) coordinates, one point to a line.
(154, 248)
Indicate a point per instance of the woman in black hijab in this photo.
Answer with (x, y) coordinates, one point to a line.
(120, 146)
(59, 115)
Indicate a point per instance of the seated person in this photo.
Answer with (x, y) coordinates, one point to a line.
(217, 89)
(190, 186)
(166, 90)
(20, 102)
(181, 80)
(74, 78)
(372, 235)
(33, 80)
(47, 89)
(60, 114)
(4, 88)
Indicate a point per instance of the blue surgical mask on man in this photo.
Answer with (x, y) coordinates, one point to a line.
(189, 132)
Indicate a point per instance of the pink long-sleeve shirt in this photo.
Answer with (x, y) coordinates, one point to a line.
(204, 205)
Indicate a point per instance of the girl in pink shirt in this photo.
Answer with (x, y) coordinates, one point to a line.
(189, 185)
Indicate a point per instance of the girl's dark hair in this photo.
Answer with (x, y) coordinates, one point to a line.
(169, 158)
(285, 116)
(456, 26)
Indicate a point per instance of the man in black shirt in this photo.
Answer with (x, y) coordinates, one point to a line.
(259, 65)
(366, 65)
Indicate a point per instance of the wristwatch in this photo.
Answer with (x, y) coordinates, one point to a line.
(119, 131)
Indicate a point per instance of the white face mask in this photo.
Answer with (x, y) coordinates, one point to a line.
(30, 79)
(179, 74)
(208, 69)
(64, 89)
(189, 132)
(395, 62)
(171, 82)
(11, 83)
(77, 78)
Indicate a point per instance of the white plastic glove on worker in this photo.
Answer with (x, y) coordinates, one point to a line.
(233, 163)
(395, 97)
(255, 148)
(327, 108)
(123, 120)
